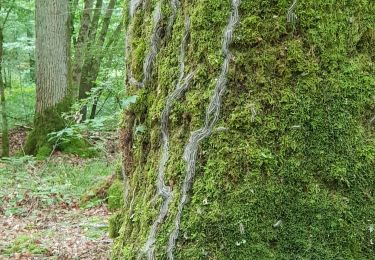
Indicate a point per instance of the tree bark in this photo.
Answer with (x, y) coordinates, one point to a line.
(73, 7)
(95, 52)
(53, 73)
(269, 152)
(4, 116)
(82, 42)
(30, 35)
(94, 25)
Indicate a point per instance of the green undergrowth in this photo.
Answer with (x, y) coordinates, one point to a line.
(79, 147)
(290, 174)
(23, 180)
(25, 244)
(20, 103)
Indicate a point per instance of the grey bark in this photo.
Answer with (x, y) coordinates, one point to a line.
(82, 41)
(53, 84)
(4, 132)
(91, 66)
(4, 116)
(52, 52)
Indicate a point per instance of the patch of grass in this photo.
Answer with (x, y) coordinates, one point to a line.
(79, 147)
(44, 152)
(23, 182)
(25, 244)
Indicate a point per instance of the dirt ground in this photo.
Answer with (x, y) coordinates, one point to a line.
(56, 233)
(41, 223)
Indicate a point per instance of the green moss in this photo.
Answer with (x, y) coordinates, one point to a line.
(115, 223)
(291, 176)
(25, 244)
(97, 193)
(116, 196)
(44, 123)
(78, 147)
(118, 170)
(44, 152)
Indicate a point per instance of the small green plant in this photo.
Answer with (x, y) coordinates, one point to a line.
(58, 183)
(25, 244)
(84, 138)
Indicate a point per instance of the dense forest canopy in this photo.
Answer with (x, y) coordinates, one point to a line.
(203, 129)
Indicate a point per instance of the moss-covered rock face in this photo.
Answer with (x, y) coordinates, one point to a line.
(291, 175)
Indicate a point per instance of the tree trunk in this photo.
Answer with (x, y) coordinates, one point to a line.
(80, 46)
(94, 106)
(4, 116)
(94, 56)
(53, 71)
(95, 21)
(73, 7)
(269, 153)
(30, 35)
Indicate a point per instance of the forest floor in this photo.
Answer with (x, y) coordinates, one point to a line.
(41, 214)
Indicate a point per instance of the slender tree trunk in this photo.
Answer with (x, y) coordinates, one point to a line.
(5, 77)
(94, 106)
(30, 35)
(94, 25)
(82, 42)
(9, 78)
(91, 66)
(95, 72)
(73, 7)
(4, 118)
(257, 140)
(53, 71)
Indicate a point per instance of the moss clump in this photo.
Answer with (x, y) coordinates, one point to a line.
(44, 152)
(25, 244)
(115, 223)
(80, 147)
(118, 170)
(98, 192)
(50, 120)
(116, 196)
